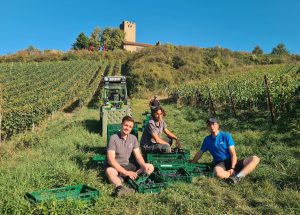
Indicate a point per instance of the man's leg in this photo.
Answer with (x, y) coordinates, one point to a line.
(220, 172)
(221, 168)
(250, 164)
(113, 177)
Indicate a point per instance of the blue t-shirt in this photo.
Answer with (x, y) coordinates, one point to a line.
(218, 146)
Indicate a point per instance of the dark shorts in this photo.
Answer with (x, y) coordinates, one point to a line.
(157, 148)
(129, 167)
(226, 164)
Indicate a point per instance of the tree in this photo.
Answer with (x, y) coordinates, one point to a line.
(112, 38)
(257, 51)
(95, 42)
(32, 49)
(280, 49)
(82, 42)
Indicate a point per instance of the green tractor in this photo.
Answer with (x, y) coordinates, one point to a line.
(114, 103)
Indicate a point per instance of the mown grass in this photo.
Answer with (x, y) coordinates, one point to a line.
(59, 154)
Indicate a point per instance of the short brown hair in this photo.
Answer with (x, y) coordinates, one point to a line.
(157, 109)
(128, 119)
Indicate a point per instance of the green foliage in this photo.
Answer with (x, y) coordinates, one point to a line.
(245, 91)
(95, 39)
(82, 42)
(257, 51)
(280, 49)
(32, 49)
(112, 38)
(175, 64)
(178, 62)
(33, 91)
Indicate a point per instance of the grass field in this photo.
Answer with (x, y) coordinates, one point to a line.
(58, 153)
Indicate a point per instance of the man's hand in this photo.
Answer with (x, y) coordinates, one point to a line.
(231, 171)
(131, 174)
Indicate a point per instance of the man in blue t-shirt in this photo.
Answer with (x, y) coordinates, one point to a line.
(221, 147)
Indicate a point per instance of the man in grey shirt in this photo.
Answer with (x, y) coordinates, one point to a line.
(119, 150)
(151, 141)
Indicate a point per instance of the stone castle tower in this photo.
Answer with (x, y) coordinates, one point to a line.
(130, 43)
(130, 31)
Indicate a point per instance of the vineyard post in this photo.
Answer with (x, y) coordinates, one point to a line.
(270, 103)
(231, 101)
(211, 102)
(283, 102)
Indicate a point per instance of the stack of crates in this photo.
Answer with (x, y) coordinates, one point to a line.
(175, 166)
(115, 128)
(166, 160)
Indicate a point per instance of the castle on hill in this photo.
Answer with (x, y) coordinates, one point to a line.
(130, 43)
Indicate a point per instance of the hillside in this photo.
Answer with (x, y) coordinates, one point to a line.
(155, 68)
(50, 123)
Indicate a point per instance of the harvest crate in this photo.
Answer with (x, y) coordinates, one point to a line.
(148, 184)
(185, 152)
(173, 174)
(166, 160)
(115, 128)
(98, 159)
(199, 170)
(82, 192)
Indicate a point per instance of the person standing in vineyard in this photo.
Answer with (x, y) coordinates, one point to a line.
(151, 140)
(154, 103)
(221, 147)
(119, 150)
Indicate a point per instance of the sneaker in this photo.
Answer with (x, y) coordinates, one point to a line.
(234, 179)
(121, 191)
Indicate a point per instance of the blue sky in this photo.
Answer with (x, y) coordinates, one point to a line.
(236, 25)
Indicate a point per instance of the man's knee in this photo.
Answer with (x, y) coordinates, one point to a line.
(110, 171)
(253, 159)
(220, 172)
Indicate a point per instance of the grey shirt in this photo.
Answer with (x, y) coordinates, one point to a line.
(123, 148)
(152, 128)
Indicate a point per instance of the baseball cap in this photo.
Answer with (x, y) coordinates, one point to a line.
(212, 120)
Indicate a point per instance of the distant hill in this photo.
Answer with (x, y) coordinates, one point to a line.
(152, 69)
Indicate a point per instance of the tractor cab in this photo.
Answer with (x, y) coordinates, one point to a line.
(114, 104)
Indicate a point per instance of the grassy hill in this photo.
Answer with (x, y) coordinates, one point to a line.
(156, 68)
(57, 152)
(58, 155)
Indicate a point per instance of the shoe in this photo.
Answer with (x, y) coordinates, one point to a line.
(234, 179)
(121, 191)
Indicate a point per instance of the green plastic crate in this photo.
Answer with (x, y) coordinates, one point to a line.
(146, 120)
(166, 160)
(199, 170)
(98, 159)
(148, 184)
(185, 152)
(82, 192)
(174, 174)
(115, 128)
